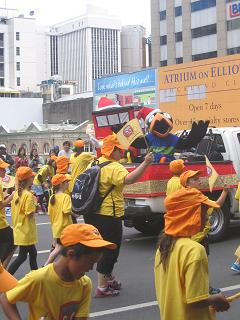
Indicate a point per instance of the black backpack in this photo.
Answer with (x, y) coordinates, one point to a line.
(85, 194)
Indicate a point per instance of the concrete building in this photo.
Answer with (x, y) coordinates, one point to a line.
(24, 53)
(133, 48)
(86, 47)
(42, 137)
(190, 30)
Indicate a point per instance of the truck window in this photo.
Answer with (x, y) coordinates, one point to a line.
(219, 142)
(112, 119)
(238, 135)
(102, 121)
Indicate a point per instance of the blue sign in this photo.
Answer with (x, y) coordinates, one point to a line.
(126, 82)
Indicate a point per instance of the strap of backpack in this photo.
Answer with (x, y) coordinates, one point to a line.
(101, 165)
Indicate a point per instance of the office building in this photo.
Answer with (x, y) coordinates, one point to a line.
(133, 48)
(86, 48)
(191, 30)
(24, 53)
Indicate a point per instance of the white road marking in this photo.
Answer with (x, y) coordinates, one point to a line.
(143, 305)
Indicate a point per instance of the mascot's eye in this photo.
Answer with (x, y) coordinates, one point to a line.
(167, 115)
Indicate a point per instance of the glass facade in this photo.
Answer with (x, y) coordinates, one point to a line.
(202, 4)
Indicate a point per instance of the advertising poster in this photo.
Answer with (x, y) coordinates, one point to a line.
(137, 88)
(202, 90)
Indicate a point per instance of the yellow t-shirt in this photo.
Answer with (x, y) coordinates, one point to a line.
(78, 165)
(202, 234)
(185, 281)
(50, 297)
(3, 220)
(173, 185)
(237, 196)
(24, 227)
(112, 174)
(45, 171)
(59, 213)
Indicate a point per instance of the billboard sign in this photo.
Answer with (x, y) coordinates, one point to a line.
(202, 90)
(233, 10)
(136, 88)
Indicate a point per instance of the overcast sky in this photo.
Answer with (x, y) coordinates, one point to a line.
(49, 12)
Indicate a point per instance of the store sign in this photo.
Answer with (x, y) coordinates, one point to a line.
(233, 10)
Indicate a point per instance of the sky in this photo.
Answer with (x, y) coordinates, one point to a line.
(48, 12)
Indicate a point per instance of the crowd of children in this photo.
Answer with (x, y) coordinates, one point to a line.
(60, 288)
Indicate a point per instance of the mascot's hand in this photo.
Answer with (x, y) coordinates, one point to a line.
(196, 134)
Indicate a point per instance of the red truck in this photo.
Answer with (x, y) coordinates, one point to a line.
(144, 208)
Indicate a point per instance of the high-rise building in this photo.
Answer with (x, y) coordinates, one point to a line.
(86, 47)
(190, 30)
(133, 48)
(24, 53)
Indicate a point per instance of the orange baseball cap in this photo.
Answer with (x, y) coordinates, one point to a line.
(85, 234)
(183, 216)
(60, 178)
(24, 173)
(176, 166)
(109, 143)
(186, 175)
(62, 163)
(78, 143)
(7, 281)
(3, 164)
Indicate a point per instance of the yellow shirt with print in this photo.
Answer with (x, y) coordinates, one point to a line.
(50, 297)
(24, 226)
(78, 165)
(173, 185)
(3, 221)
(46, 171)
(59, 213)
(185, 281)
(237, 196)
(112, 174)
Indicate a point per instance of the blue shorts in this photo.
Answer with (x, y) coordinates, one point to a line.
(38, 190)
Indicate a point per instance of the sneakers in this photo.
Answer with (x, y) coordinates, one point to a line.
(108, 292)
(114, 284)
(214, 290)
(235, 267)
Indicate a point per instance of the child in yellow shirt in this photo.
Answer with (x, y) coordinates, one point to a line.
(176, 167)
(24, 226)
(61, 290)
(59, 210)
(236, 265)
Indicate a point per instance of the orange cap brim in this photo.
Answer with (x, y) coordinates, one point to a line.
(4, 165)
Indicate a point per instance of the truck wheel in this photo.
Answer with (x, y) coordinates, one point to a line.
(219, 221)
(151, 226)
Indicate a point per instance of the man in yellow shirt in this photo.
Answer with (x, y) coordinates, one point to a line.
(109, 217)
(61, 290)
(181, 264)
(79, 161)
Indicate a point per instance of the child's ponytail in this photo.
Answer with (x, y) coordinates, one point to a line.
(53, 198)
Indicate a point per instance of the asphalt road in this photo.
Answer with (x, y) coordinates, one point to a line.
(135, 270)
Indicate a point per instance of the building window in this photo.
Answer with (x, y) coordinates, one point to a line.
(179, 60)
(233, 24)
(18, 81)
(163, 63)
(202, 56)
(35, 146)
(202, 4)
(13, 149)
(178, 36)
(46, 148)
(163, 40)
(233, 50)
(18, 51)
(1, 52)
(1, 82)
(24, 146)
(17, 36)
(163, 15)
(178, 11)
(1, 40)
(18, 66)
(204, 31)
